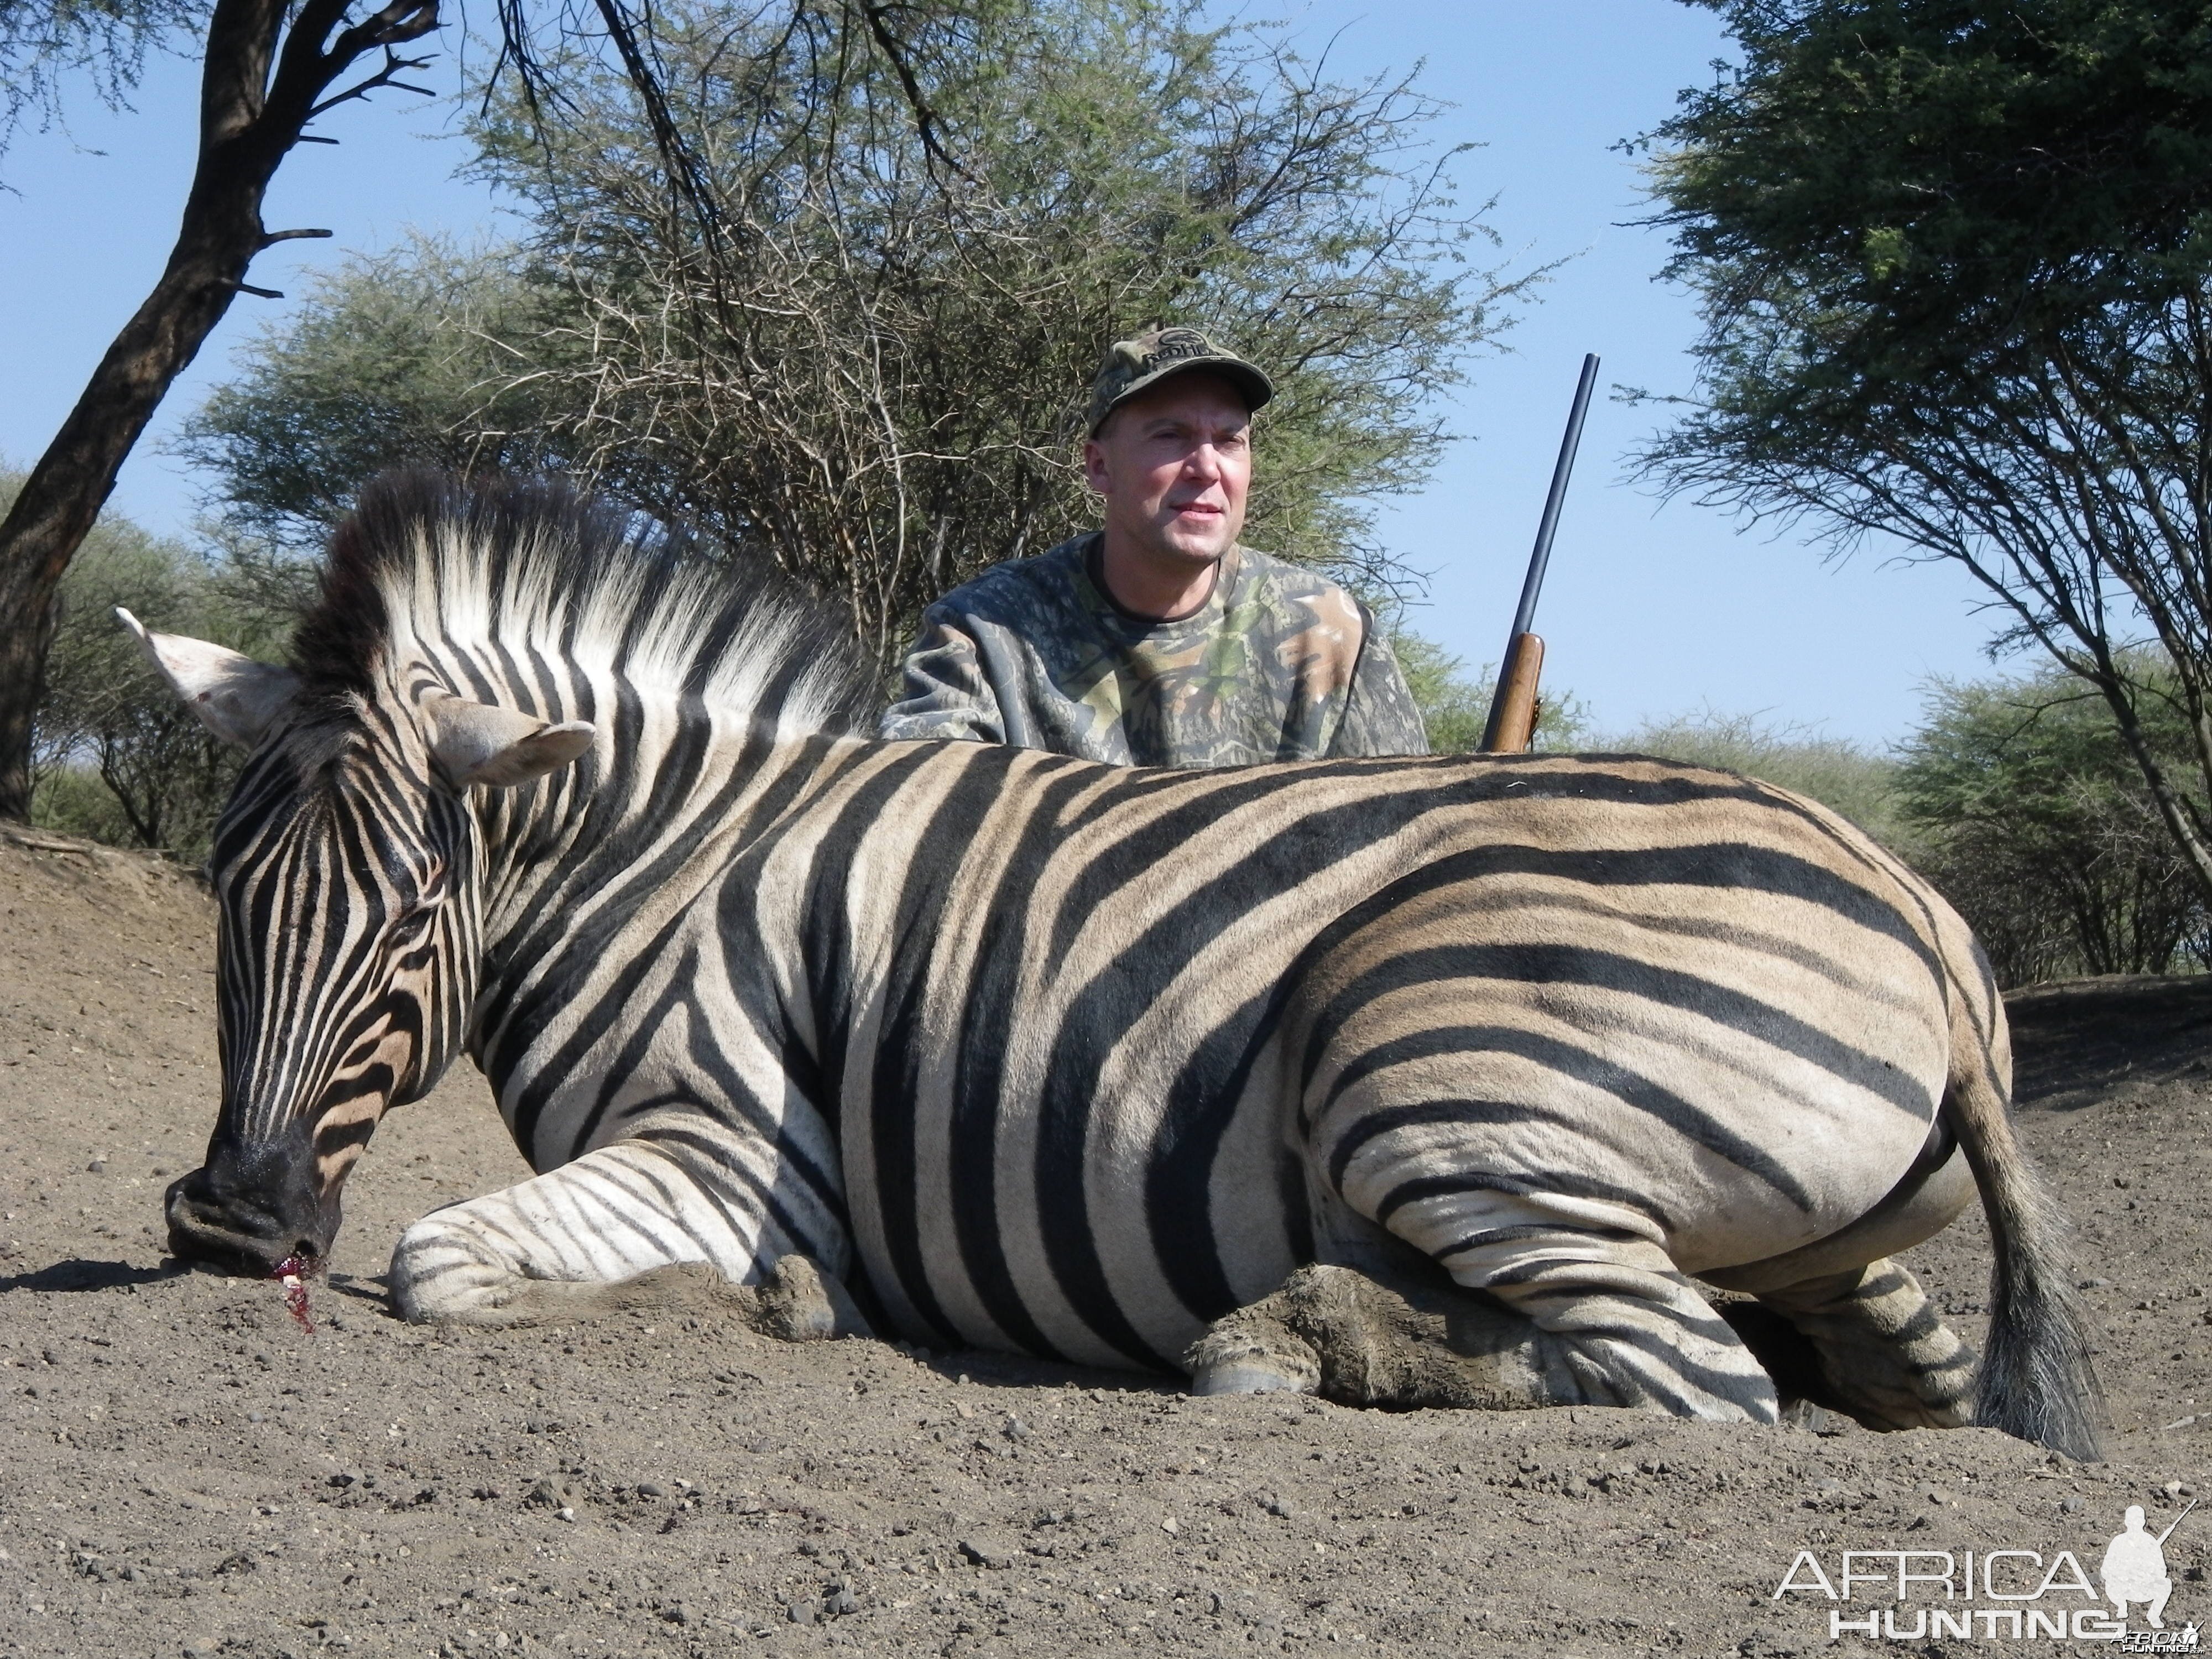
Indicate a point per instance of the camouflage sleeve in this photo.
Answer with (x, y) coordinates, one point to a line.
(1380, 716)
(942, 692)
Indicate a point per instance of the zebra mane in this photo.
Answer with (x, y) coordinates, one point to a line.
(495, 571)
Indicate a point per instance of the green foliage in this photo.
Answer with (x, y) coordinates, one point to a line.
(424, 353)
(2042, 833)
(1930, 181)
(872, 359)
(115, 756)
(1455, 706)
(1955, 264)
(1846, 777)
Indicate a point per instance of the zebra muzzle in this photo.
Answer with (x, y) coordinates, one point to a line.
(232, 1226)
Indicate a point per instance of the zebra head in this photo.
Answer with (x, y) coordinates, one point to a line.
(346, 870)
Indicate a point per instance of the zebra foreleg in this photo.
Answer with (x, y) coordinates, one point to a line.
(626, 1226)
(1882, 1348)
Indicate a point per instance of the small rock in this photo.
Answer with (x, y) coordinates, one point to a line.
(1016, 1429)
(97, 1166)
(1170, 1526)
(802, 1613)
(2175, 1491)
(649, 1489)
(2071, 1505)
(2093, 1284)
(987, 1549)
(200, 1644)
(1830, 1485)
(840, 1603)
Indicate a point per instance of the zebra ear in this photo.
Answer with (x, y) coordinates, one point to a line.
(480, 743)
(235, 698)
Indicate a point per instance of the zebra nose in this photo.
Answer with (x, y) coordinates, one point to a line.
(211, 1222)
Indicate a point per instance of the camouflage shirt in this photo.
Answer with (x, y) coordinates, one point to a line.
(1278, 664)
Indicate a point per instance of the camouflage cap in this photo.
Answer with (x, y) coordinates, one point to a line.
(1135, 366)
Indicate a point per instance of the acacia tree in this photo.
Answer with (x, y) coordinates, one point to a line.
(867, 355)
(1955, 264)
(261, 84)
(268, 68)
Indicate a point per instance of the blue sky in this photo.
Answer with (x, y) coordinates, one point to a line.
(1650, 610)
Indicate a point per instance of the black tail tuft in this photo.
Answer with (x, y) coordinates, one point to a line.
(2037, 1381)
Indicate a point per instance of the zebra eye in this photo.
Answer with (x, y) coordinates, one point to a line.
(412, 928)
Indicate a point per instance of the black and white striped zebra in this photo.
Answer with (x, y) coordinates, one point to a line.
(1411, 1081)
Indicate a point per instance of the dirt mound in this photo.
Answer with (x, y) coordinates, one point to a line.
(184, 1470)
(2080, 1039)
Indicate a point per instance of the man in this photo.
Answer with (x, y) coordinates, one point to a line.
(1160, 640)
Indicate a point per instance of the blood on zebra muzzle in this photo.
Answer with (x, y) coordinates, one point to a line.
(249, 1208)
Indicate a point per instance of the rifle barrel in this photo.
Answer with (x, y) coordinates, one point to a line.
(1524, 618)
(2177, 1519)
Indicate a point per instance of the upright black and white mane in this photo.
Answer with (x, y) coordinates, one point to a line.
(498, 580)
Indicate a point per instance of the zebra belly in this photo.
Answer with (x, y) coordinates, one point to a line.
(1089, 1235)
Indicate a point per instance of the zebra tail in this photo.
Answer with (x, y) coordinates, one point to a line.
(2037, 1381)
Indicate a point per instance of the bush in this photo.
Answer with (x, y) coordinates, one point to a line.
(2042, 832)
(1844, 776)
(875, 371)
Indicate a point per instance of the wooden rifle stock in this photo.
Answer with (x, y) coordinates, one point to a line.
(1514, 708)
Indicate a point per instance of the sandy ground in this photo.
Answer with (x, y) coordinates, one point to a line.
(184, 1470)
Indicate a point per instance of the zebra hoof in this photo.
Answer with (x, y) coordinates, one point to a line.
(1250, 1353)
(1254, 1375)
(801, 1302)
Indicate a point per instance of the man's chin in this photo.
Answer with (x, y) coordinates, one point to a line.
(1200, 545)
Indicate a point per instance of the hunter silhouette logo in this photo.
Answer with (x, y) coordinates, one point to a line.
(2134, 1566)
(2002, 1594)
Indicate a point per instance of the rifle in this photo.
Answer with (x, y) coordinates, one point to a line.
(1513, 707)
(2177, 1519)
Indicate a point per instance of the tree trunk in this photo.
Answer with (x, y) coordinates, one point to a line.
(247, 125)
(2173, 806)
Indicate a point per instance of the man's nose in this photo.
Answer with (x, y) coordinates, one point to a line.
(1203, 462)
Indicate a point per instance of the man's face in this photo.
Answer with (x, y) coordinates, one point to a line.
(1175, 465)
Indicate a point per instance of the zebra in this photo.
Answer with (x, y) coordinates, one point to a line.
(1455, 1080)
